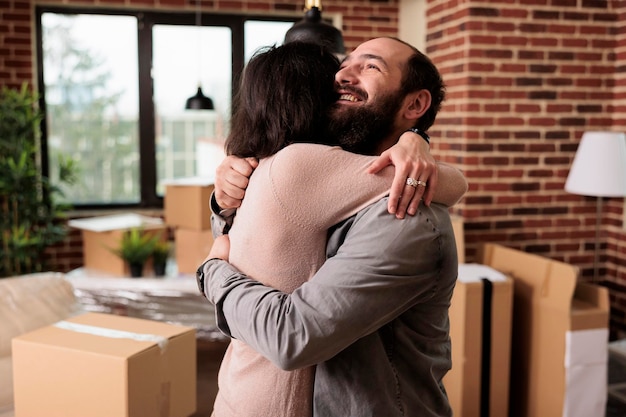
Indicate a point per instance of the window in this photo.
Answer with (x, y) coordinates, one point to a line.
(114, 99)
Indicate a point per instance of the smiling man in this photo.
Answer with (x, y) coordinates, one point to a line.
(374, 318)
(376, 94)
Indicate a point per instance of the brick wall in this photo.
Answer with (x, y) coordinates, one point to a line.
(525, 80)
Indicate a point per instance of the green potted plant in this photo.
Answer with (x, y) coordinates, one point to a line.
(160, 253)
(32, 214)
(136, 247)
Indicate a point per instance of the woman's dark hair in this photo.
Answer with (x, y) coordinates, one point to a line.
(284, 97)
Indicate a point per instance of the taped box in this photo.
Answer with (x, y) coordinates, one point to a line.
(187, 203)
(103, 234)
(560, 338)
(102, 365)
(480, 330)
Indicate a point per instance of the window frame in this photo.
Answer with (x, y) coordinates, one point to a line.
(145, 22)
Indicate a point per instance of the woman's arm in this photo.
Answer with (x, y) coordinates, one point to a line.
(452, 185)
(410, 157)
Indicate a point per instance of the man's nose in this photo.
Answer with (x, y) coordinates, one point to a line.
(346, 75)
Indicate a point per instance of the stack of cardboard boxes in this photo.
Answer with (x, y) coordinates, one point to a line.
(528, 338)
(560, 335)
(188, 211)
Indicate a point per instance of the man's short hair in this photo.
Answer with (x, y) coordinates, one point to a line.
(421, 74)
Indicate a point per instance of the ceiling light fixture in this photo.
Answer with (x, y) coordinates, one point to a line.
(199, 101)
(312, 29)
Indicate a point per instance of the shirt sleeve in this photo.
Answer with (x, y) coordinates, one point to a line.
(221, 220)
(382, 267)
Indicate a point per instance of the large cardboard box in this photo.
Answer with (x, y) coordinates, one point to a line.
(102, 365)
(480, 330)
(187, 203)
(192, 247)
(560, 338)
(103, 233)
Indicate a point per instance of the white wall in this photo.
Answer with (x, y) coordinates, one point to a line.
(412, 23)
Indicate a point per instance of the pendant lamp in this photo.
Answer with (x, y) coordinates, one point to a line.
(312, 29)
(199, 101)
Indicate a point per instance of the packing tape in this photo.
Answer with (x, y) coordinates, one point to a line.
(113, 333)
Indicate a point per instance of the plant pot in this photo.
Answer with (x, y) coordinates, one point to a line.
(159, 269)
(136, 269)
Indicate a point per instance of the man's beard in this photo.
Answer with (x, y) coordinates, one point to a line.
(361, 129)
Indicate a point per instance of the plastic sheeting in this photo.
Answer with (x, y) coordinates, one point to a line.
(172, 299)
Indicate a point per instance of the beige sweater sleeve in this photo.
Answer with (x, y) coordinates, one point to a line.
(451, 187)
(317, 186)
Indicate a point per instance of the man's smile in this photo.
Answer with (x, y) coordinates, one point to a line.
(349, 97)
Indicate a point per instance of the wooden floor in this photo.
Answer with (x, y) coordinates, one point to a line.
(209, 358)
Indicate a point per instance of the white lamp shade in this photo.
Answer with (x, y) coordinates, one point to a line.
(599, 167)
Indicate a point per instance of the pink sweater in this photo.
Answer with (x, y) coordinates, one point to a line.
(279, 233)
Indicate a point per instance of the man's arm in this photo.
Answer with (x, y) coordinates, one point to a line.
(352, 295)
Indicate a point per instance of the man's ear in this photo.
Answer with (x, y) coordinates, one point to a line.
(417, 104)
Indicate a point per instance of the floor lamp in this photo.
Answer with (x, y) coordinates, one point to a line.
(599, 170)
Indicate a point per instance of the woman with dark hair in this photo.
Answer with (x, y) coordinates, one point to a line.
(283, 98)
(300, 189)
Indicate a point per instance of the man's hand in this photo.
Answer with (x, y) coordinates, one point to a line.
(220, 248)
(412, 159)
(231, 180)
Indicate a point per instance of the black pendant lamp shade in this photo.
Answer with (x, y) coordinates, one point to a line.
(199, 102)
(312, 29)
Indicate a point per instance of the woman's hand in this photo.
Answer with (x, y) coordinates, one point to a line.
(231, 180)
(412, 159)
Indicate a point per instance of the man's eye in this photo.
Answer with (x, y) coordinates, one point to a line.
(372, 66)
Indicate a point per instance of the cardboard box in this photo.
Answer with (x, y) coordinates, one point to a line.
(192, 247)
(187, 203)
(560, 339)
(103, 233)
(480, 330)
(102, 365)
(459, 236)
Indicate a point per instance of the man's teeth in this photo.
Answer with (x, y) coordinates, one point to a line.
(348, 97)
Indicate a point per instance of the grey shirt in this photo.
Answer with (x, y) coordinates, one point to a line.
(374, 318)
